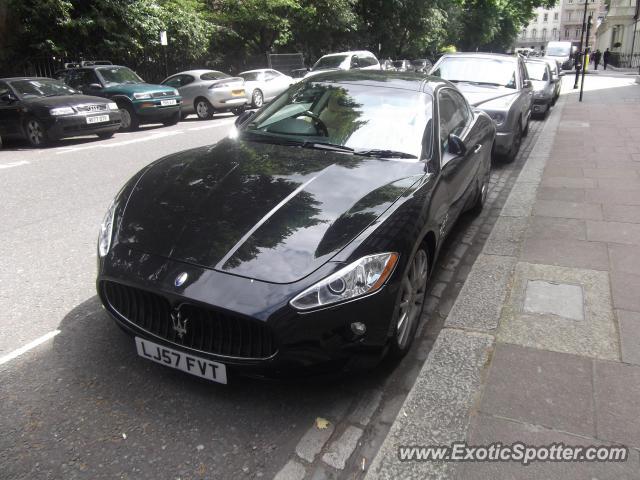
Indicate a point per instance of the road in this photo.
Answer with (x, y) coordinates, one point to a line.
(75, 400)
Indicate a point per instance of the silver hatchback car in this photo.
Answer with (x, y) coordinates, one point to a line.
(497, 84)
(205, 92)
(264, 84)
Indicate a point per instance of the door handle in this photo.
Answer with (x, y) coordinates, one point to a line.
(477, 148)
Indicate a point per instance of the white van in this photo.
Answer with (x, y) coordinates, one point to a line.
(561, 52)
(357, 60)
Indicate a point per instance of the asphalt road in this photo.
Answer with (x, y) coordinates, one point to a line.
(82, 404)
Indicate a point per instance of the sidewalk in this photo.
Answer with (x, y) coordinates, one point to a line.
(543, 343)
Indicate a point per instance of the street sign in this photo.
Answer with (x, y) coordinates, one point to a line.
(163, 38)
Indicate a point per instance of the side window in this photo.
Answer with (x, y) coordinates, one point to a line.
(269, 76)
(454, 116)
(4, 90)
(82, 78)
(186, 80)
(368, 61)
(355, 62)
(174, 82)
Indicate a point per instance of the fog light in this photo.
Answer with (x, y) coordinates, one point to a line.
(358, 328)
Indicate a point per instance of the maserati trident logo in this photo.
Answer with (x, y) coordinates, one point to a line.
(180, 279)
(179, 323)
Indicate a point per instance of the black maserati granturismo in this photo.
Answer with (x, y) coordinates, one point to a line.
(304, 240)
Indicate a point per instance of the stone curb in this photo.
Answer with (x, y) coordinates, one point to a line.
(437, 410)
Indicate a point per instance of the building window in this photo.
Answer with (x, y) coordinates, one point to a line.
(544, 34)
(566, 33)
(555, 16)
(577, 32)
(534, 33)
(546, 17)
(554, 33)
(568, 15)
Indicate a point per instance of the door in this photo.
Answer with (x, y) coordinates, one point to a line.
(273, 84)
(526, 93)
(458, 169)
(9, 111)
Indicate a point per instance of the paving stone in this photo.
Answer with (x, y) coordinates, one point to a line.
(617, 172)
(555, 170)
(486, 430)
(619, 183)
(341, 449)
(624, 290)
(365, 408)
(291, 471)
(616, 232)
(592, 335)
(438, 289)
(540, 387)
(569, 253)
(625, 258)
(556, 208)
(520, 201)
(629, 324)
(391, 409)
(506, 237)
(559, 299)
(557, 228)
(613, 195)
(568, 182)
(480, 301)
(617, 390)
(621, 213)
(561, 194)
(312, 442)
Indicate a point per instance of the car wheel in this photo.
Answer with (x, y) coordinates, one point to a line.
(106, 135)
(237, 111)
(410, 303)
(483, 191)
(173, 120)
(36, 133)
(257, 99)
(204, 110)
(515, 145)
(525, 132)
(130, 121)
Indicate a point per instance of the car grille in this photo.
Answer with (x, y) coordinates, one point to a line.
(207, 330)
(162, 94)
(93, 108)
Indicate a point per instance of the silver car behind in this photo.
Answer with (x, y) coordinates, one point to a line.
(264, 84)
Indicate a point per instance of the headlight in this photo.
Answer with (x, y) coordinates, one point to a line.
(360, 278)
(62, 111)
(141, 96)
(106, 229)
(497, 117)
(113, 106)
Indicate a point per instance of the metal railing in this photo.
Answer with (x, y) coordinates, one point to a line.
(625, 60)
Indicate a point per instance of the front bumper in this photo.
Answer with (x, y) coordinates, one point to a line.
(75, 125)
(150, 110)
(503, 142)
(541, 105)
(320, 341)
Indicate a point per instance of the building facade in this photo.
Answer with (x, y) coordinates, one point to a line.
(573, 16)
(619, 28)
(542, 28)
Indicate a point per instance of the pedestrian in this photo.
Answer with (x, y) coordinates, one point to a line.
(596, 58)
(606, 56)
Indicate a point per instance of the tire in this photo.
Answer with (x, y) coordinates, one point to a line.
(173, 120)
(410, 303)
(515, 146)
(36, 133)
(204, 109)
(237, 111)
(130, 121)
(257, 98)
(525, 132)
(106, 135)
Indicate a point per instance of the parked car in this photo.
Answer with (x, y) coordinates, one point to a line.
(544, 86)
(497, 84)
(562, 52)
(421, 65)
(303, 243)
(402, 66)
(43, 110)
(556, 74)
(358, 60)
(206, 92)
(264, 85)
(139, 102)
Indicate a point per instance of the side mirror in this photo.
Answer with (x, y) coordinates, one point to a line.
(243, 117)
(456, 145)
(527, 84)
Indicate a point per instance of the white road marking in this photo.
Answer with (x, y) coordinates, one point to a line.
(13, 164)
(28, 346)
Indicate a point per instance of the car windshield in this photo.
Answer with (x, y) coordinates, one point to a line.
(41, 88)
(559, 51)
(398, 63)
(482, 70)
(213, 76)
(119, 75)
(251, 76)
(418, 63)
(333, 61)
(537, 71)
(391, 121)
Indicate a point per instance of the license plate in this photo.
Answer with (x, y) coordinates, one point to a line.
(200, 367)
(165, 103)
(98, 119)
(237, 93)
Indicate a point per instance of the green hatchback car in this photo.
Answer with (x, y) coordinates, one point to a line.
(139, 102)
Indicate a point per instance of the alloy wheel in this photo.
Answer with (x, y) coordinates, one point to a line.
(125, 122)
(203, 109)
(35, 133)
(257, 98)
(413, 286)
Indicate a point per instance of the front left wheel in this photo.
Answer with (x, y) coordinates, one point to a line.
(36, 132)
(410, 303)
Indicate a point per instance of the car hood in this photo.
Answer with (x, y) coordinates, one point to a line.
(268, 212)
(64, 101)
(131, 88)
(479, 95)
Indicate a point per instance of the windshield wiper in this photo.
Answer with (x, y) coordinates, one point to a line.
(327, 146)
(383, 153)
(472, 82)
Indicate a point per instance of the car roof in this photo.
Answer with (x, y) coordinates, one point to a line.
(503, 56)
(14, 79)
(379, 78)
(351, 52)
(259, 70)
(197, 72)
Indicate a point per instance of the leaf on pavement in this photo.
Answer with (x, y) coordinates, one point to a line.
(322, 423)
